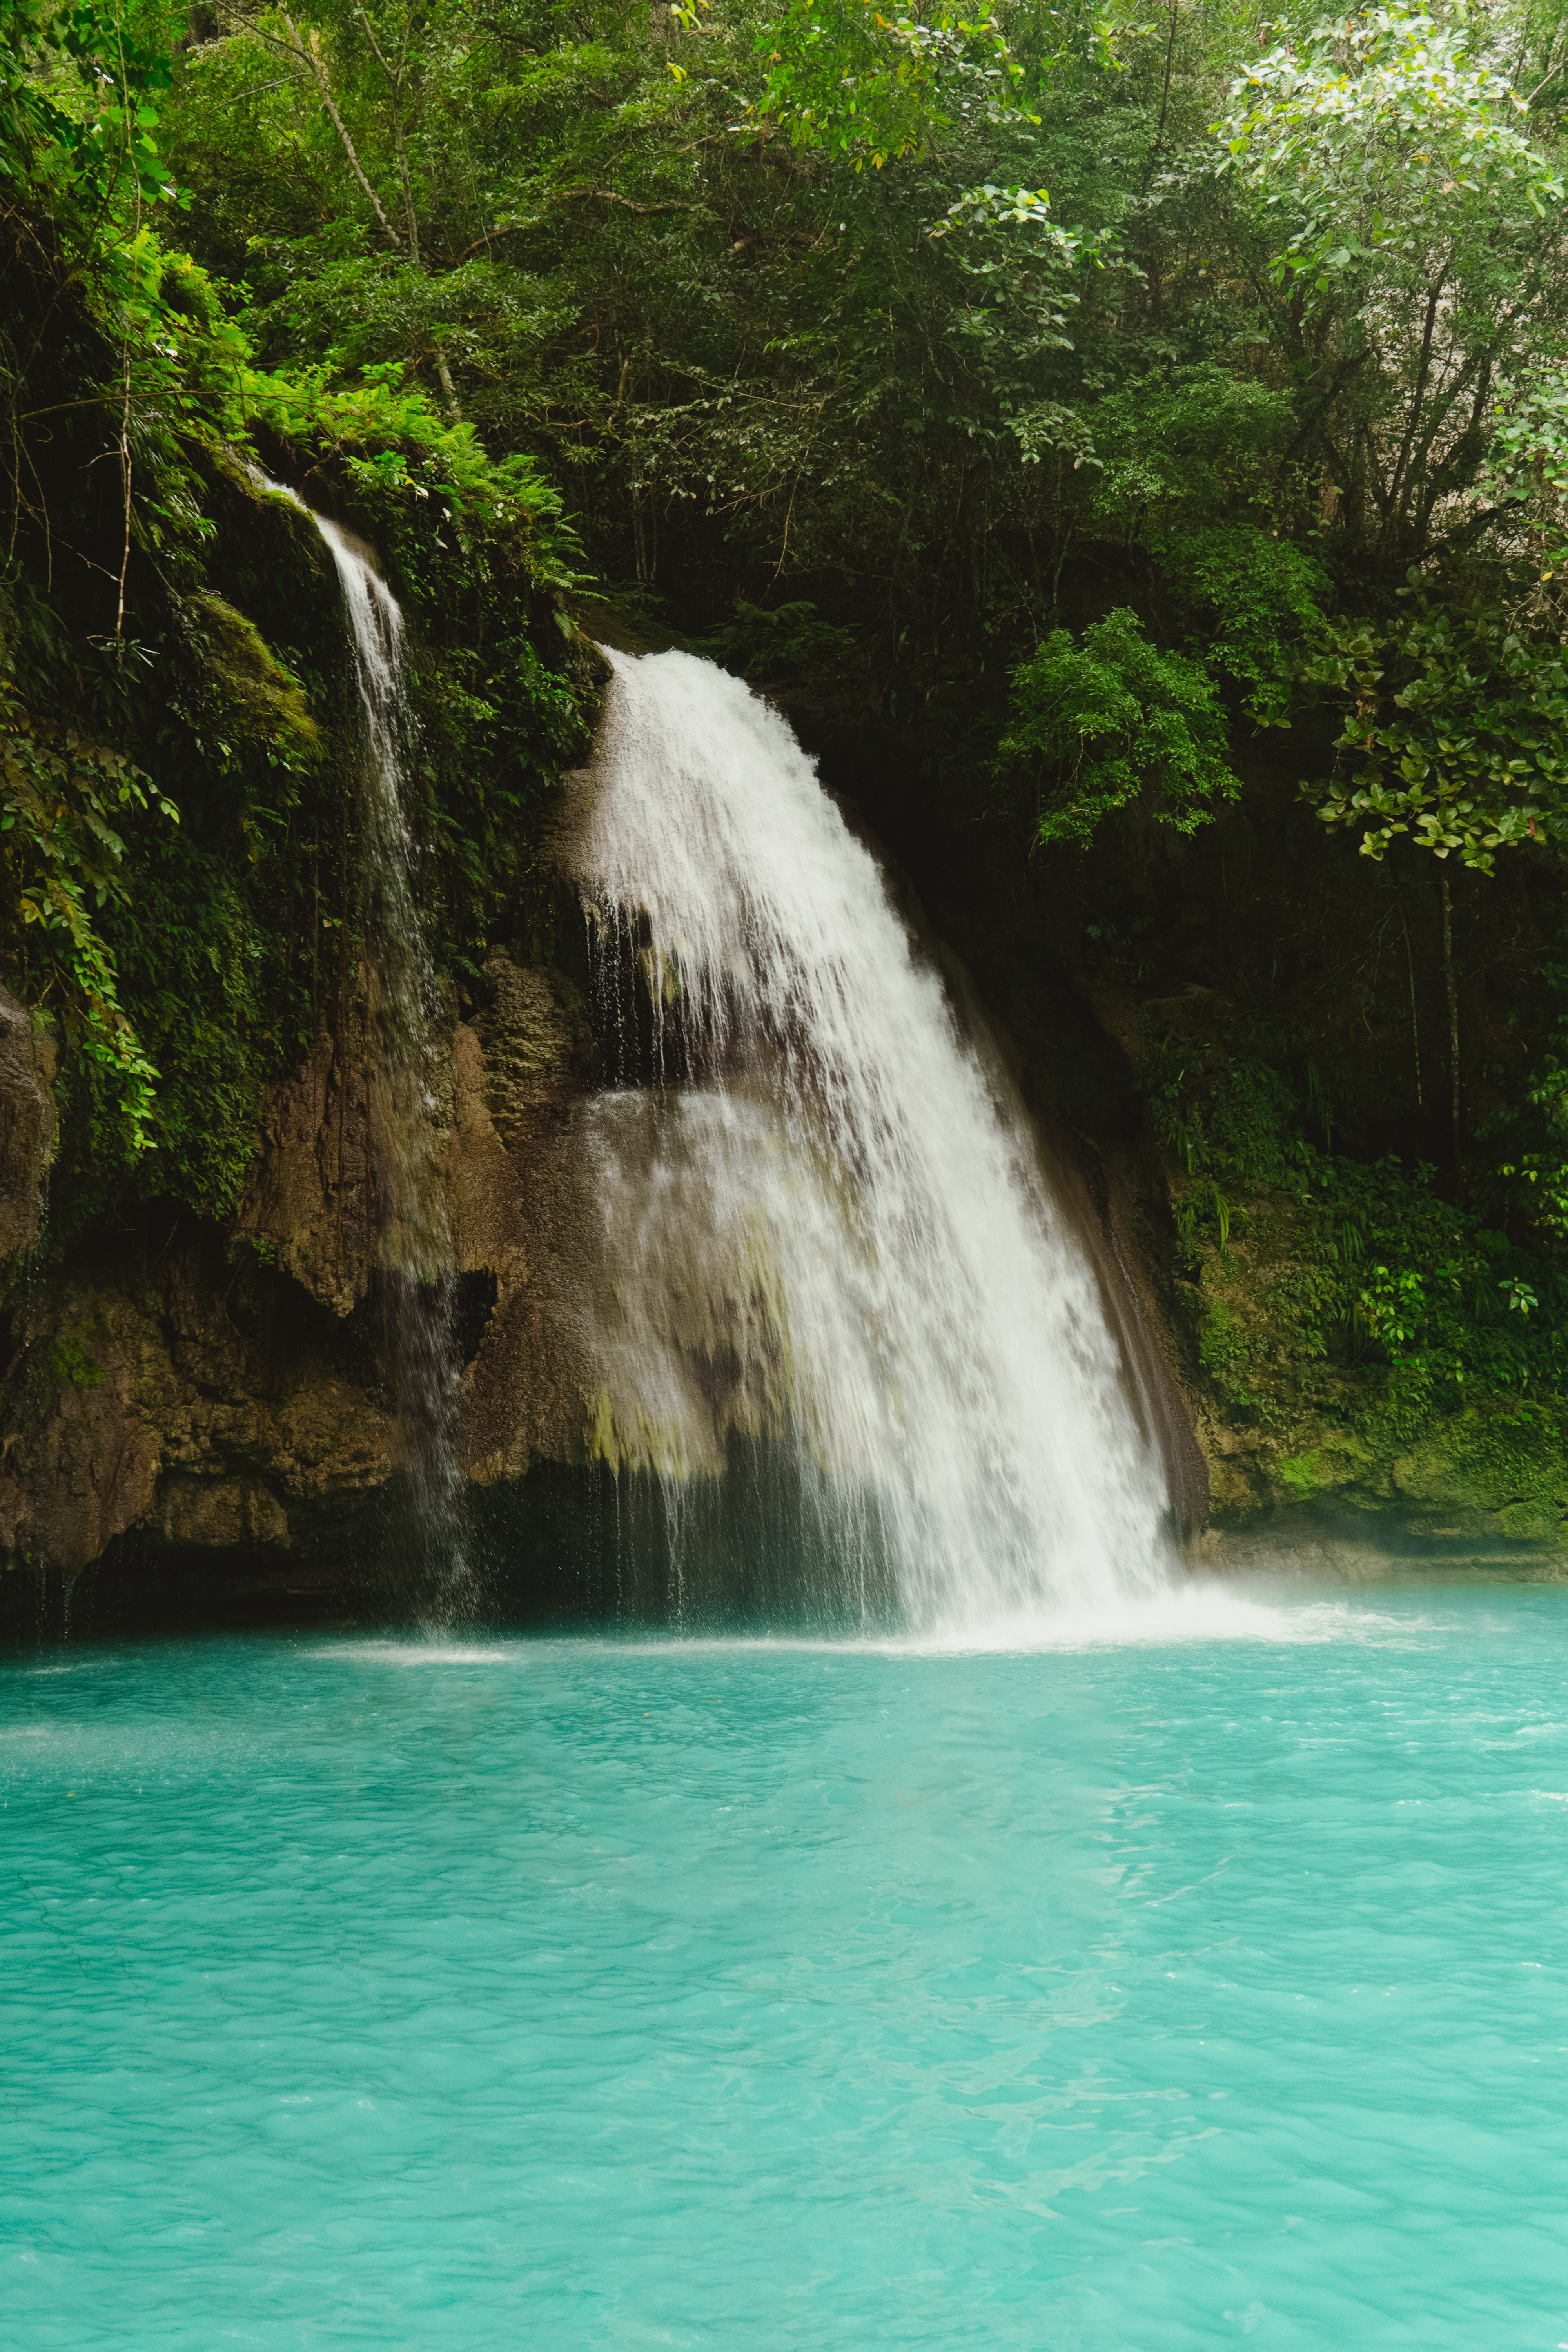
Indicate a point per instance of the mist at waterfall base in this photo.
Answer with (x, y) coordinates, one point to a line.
(1138, 1996)
(844, 1348)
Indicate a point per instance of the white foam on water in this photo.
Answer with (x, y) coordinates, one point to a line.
(1196, 1613)
(1184, 1615)
(434, 1653)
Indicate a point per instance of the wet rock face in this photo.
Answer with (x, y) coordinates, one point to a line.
(309, 1196)
(216, 1398)
(1289, 1439)
(199, 1390)
(536, 1043)
(310, 1200)
(27, 1125)
(187, 1396)
(82, 1458)
(520, 1072)
(209, 1406)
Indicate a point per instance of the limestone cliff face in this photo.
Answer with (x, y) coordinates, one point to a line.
(218, 1397)
(308, 1198)
(1294, 1446)
(166, 1392)
(210, 1403)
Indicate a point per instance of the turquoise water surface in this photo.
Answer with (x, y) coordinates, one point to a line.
(1133, 1995)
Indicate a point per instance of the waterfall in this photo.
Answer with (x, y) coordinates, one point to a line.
(414, 1244)
(828, 1247)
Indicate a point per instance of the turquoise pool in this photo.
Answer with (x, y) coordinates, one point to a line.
(1126, 1995)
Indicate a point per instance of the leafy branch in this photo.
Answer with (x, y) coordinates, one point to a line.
(1112, 721)
(64, 855)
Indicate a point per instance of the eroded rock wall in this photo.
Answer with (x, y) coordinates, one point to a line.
(209, 1404)
(185, 1393)
(216, 1397)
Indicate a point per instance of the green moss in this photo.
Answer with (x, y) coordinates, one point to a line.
(1305, 1473)
(600, 1442)
(1222, 1342)
(73, 1366)
(1358, 1334)
(1341, 1462)
(250, 679)
(1324, 1414)
(649, 1444)
(1502, 1458)
(1527, 1522)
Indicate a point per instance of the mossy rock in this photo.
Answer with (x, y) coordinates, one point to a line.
(252, 681)
(73, 1364)
(1287, 1429)
(1341, 1461)
(269, 560)
(1497, 1466)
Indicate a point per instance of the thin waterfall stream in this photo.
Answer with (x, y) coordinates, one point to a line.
(826, 1230)
(414, 1244)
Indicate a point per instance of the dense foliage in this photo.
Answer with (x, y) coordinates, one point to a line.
(180, 896)
(1140, 432)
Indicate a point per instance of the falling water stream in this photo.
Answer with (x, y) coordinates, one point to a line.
(827, 1270)
(825, 1223)
(414, 1243)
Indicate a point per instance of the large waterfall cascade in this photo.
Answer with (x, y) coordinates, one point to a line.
(826, 1225)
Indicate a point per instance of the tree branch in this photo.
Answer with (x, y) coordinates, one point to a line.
(608, 196)
(295, 48)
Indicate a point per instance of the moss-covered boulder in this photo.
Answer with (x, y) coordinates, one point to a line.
(252, 684)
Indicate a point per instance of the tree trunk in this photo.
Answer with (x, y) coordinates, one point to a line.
(449, 389)
(1414, 1019)
(1452, 987)
(317, 65)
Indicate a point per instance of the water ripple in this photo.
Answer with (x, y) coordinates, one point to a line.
(1074, 1997)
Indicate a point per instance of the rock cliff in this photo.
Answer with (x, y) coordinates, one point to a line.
(198, 1413)
(205, 1404)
